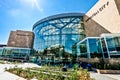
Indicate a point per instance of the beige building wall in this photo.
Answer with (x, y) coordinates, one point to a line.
(92, 28)
(118, 5)
(105, 13)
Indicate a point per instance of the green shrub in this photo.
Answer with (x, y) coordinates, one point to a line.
(74, 76)
(83, 74)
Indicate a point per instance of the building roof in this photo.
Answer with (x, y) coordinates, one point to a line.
(63, 15)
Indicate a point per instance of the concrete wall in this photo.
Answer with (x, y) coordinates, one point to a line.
(97, 60)
(106, 15)
(92, 28)
(22, 39)
(118, 5)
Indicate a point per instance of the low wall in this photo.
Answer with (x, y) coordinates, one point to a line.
(108, 71)
(97, 60)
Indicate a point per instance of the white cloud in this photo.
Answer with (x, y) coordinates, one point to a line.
(32, 3)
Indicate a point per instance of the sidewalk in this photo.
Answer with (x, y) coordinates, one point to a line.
(9, 76)
(98, 76)
(4, 75)
(115, 76)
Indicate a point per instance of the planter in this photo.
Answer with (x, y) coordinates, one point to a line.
(108, 71)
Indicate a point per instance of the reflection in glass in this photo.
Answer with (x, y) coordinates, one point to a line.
(65, 31)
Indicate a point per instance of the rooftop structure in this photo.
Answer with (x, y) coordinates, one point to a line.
(62, 29)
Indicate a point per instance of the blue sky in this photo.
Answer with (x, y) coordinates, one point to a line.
(22, 14)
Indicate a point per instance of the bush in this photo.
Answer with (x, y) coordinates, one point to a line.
(83, 74)
(40, 74)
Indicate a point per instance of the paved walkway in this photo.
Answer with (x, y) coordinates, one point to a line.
(98, 76)
(4, 75)
(9, 76)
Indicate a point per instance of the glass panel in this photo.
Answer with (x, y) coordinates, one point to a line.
(104, 48)
(1, 50)
(64, 31)
(83, 49)
(110, 44)
(117, 43)
(95, 48)
(103, 45)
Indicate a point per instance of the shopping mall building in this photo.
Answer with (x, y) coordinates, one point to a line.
(93, 34)
(96, 33)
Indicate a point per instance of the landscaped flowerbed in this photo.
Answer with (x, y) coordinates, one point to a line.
(51, 73)
(101, 71)
(106, 68)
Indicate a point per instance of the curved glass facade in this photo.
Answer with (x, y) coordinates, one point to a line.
(63, 29)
